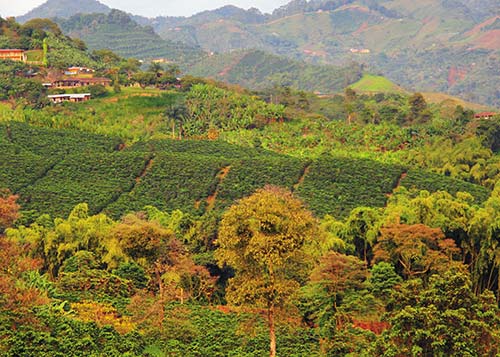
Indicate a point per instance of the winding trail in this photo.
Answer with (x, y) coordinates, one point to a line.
(302, 177)
(211, 199)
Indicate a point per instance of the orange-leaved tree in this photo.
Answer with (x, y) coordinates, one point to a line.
(264, 238)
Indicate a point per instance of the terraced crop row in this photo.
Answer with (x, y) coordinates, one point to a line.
(53, 170)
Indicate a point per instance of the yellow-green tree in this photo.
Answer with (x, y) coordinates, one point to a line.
(264, 238)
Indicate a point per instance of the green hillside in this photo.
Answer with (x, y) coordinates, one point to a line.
(374, 84)
(118, 32)
(52, 175)
(169, 216)
(431, 46)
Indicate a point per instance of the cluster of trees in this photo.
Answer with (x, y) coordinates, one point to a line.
(17, 87)
(418, 277)
(208, 109)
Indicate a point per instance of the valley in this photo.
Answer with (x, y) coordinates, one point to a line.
(254, 185)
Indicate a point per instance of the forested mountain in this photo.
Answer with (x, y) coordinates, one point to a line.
(259, 70)
(448, 46)
(64, 9)
(118, 32)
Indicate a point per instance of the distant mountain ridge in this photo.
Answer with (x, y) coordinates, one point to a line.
(64, 9)
(450, 46)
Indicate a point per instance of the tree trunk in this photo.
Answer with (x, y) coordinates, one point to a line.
(272, 332)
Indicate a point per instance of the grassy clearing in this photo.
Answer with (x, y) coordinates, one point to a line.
(373, 83)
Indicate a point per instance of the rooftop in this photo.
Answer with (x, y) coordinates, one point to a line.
(73, 95)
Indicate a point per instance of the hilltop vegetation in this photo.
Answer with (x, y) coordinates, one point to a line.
(375, 84)
(259, 70)
(116, 31)
(64, 9)
(446, 46)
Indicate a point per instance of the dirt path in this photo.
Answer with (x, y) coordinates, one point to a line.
(398, 183)
(302, 177)
(213, 197)
(144, 171)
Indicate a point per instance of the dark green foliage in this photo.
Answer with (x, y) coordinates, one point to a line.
(19, 168)
(432, 182)
(199, 147)
(15, 84)
(64, 53)
(247, 175)
(54, 143)
(92, 284)
(337, 185)
(133, 272)
(28, 152)
(57, 335)
(173, 182)
(383, 278)
(443, 318)
(97, 178)
(209, 332)
(489, 131)
(80, 261)
(53, 170)
(97, 91)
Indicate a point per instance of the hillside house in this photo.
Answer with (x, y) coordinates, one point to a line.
(485, 115)
(80, 82)
(13, 54)
(75, 71)
(74, 98)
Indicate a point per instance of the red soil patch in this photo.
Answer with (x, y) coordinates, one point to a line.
(489, 40)
(362, 28)
(373, 326)
(302, 178)
(144, 171)
(213, 197)
(227, 69)
(455, 75)
(477, 29)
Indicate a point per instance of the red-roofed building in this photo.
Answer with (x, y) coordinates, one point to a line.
(13, 54)
(485, 115)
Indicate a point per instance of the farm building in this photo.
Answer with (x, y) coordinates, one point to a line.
(74, 71)
(13, 54)
(80, 82)
(75, 98)
(485, 115)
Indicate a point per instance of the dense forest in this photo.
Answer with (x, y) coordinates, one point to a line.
(174, 215)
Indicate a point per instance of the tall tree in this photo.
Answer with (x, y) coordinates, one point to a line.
(264, 238)
(416, 250)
